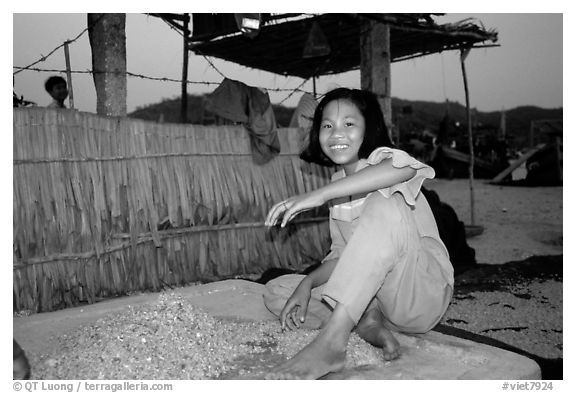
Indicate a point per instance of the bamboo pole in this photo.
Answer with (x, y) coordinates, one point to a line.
(148, 237)
(184, 103)
(69, 76)
(463, 54)
(559, 157)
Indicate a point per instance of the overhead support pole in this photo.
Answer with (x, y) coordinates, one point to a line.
(463, 54)
(375, 65)
(314, 86)
(184, 100)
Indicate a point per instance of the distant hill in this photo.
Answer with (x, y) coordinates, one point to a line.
(416, 116)
(411, 117)
(168, 111)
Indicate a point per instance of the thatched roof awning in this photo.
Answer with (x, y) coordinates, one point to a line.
(280, 44)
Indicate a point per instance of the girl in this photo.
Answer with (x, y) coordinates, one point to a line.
(387, 269)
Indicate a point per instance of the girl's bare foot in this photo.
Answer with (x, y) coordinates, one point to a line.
(372, 329)
(325, 354)
(314, 361)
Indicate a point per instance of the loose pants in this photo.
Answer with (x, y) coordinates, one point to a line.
(386, 264)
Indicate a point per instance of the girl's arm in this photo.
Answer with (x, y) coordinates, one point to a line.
(371, 178)
(320, 275)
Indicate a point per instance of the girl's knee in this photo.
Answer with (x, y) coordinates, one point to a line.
(379, 207)
(284, 285)
(382, 221)
(278, 290)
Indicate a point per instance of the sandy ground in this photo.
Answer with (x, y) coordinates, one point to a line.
(518, 222)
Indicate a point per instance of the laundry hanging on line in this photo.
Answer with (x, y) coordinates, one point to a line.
(236, 101)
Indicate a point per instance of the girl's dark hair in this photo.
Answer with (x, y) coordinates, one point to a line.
(53, 81)
(375, 133)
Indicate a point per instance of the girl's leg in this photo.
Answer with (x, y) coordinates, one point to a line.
(372, 252)
(415, 295)
(386, 258)
(412, 299)
(384, 243)
(369, 255)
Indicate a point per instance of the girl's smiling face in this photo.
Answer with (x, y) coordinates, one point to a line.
(342, 133)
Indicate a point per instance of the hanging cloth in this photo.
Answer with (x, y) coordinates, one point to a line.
(236, 101)
(302, 118)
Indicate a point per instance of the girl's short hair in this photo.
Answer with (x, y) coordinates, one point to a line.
(375, 133)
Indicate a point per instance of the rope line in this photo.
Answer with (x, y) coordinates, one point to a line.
(161, 79)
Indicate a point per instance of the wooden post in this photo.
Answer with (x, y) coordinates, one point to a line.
(463, 55)
(184, 100)
(559, 157)
(503, 123)
(69, 76)
(108, 43)
(375, 65)
(314, 86)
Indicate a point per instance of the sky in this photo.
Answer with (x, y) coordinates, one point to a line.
(525, 69)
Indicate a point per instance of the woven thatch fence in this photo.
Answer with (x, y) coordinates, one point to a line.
(105, 207)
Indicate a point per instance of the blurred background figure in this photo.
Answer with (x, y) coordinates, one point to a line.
(57, 87)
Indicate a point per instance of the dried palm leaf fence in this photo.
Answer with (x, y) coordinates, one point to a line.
(105, 207)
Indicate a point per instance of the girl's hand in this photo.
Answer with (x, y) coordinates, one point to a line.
(289, 208)
(294, 312)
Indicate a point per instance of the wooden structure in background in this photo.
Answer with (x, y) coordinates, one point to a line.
(411, 35)
(369, 42)
(108, 206)
(516, 164)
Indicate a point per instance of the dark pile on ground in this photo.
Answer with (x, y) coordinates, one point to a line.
(515, 306)
(484, 277)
